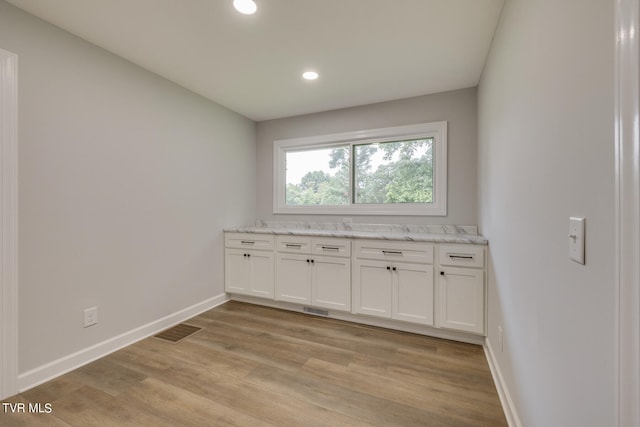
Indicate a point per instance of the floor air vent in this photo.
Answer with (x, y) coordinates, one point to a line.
(316, 311)
(177, 333)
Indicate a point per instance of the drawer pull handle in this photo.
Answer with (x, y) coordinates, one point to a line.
(392, 252)
(330, 248)
(461, 256)
(291, 245)
(247, 242)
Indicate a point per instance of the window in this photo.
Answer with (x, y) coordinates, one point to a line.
(390, 171)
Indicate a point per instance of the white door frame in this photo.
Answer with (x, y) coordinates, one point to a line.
(627, 216)
(9, 220)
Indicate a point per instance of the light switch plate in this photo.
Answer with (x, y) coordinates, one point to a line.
(576, 239)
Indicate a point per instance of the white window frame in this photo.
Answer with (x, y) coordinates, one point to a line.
(435, 130)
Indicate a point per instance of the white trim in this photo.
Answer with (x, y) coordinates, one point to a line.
(73, 361)
(437, 130)
(508, 407)
(9, 220)
(627, 212)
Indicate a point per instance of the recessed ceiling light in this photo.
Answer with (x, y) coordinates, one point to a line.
(248, 7)
(310, 75)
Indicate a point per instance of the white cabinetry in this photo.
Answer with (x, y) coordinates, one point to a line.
(314, 271)
(249, 264)
(394, 280)
(436, 285)
(461, 295)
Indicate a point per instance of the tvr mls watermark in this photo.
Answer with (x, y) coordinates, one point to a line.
(31, 408)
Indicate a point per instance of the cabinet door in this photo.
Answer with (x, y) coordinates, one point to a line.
(331, 283)
(461, 299)
(237, 273)
(413, 293)
(294, 278)
(261, 274)
(372, 288)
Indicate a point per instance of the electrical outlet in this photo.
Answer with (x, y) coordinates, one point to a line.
(90, 316)
(500, 339)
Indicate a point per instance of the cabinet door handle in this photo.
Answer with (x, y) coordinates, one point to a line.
(330, 248)
(291, 245)
(394, 269)
(461, 256)
(313, 261)
(388, 268)
(392, 252)
(442, 273)
(247, 242)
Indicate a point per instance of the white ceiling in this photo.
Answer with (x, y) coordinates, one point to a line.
(366, 51)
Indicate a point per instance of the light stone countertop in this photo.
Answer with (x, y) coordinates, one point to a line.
(434, 234)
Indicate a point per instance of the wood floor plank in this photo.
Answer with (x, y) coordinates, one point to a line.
(50, 391)
(91, 407)
(325, 331)
(261, 348)
(435, 381)
(301, 346)
(142, 359)
(358, 405)
(383, 387)
(184, 408)
(259, 366)
(106, 376)
(251, 399)
(467, 396)
(455, 371)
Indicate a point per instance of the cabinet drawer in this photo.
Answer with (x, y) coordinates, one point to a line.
(293, 244)
(249, 241)
(461, 255)
(331, 247)
(394, 251)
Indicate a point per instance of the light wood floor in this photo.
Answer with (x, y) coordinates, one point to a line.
(256, 366)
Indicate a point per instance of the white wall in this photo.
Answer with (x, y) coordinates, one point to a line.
(545, 132)
(457, 107)
(125, 183)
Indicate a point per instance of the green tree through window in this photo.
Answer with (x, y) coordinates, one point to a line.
(383, 173)
(399, 170)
